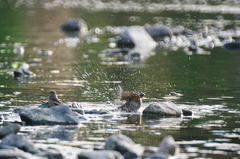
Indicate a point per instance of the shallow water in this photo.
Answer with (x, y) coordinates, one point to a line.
(80, 72)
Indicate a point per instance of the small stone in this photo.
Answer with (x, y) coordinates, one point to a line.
(74, 27)
(187, 112)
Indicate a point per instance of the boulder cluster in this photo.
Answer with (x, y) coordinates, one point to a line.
(117, 146)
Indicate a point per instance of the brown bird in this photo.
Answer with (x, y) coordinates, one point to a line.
(53, 99)
(133, 101)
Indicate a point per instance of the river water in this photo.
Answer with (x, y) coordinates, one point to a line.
(208, 82)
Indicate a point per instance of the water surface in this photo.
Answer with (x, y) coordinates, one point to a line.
(209, 83)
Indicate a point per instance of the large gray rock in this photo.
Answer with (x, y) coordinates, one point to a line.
(50, 153)
(102, 154)
(19, 142)
(9, 129)
(8, 152)
(46, 116)
(162, 109)
(167, 148)
(124, 145)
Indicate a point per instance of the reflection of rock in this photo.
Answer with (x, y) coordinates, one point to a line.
(61, 132)
(9, 129)
(162, 109)
(124, 145)
(42, 116)
(74, 27)
(133, 119)
(101, 154)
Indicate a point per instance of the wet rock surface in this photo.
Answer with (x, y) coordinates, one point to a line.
(9, 129)
(20, 142)
(44, 116)
(232, 46)
(117, 146)
(9, 152)
(106, 154)
(23, 73)
(124, 145)
(74, 27)
(162, 109)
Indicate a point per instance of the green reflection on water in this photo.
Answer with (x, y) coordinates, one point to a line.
(202, 79)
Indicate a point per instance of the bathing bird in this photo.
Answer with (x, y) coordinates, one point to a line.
(133, 101)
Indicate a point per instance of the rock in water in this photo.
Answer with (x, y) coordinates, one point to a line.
(102, 154)
(168, 145)
(158, 32)
(136, 36)
(8, 152)
(167, 148)
(47, 116)
(124, 145)
(232, 46)
(162, 109)
(20, 142)
(23, 73)
(75, 27)
(9, 129)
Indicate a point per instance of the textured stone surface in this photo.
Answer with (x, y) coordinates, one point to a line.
(162, 109)
(124, 145)
(43, 116)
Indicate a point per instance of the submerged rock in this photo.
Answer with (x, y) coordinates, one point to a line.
(19, 142)
(187, 112)
(9, 129)
(101, 154)
(43, 116)
(232, 46)
(74, 27)
(44, 52)
(162, 109)
(124, 145)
